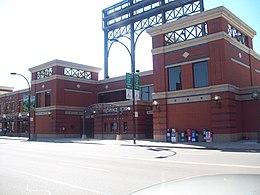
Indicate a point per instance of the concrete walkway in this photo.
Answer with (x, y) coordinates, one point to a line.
(239, 146)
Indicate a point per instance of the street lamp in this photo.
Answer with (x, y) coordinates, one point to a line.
(132, 56)
(255, 96)
(29, 102)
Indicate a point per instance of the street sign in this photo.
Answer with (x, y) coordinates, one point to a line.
(128, 81)
(129, 86)
(137, 87)
(137, 82)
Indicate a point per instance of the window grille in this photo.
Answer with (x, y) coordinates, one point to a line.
(236, 34)
(44, 73)
(186, 34)
(82, 74)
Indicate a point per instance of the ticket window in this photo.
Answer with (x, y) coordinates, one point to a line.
(113, 127)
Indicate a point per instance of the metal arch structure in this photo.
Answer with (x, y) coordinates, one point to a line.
(129, 18)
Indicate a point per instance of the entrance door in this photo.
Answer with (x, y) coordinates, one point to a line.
(90, 127)
(149, 128)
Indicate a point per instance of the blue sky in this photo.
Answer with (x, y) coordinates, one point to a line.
(33, 32)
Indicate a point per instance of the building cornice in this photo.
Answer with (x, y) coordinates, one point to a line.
(202, 40)
(254, 54)
(14, 92)
(241, 94)
(6, 88)
(64, 64)
(45, 110)
(120, 78)
(64, 108)
(201, 18)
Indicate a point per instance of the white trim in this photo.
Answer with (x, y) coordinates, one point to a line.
(201, 18)
(7, 94)
(109, 91)
(200, 41)
(74, 112)
(187, 62)
(196, 91)
(254, 54)
(257, 70)
(240, 63)
(110, 80)
(195, 94)
(64, 64)
(66, 108)
(180, 100)
(121, 89)
(146, 73)
(46, 90)
(78, 91)
(122, 77)
(6, 88)
(148, 85)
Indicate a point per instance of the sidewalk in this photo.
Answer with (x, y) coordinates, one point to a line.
(239, 146)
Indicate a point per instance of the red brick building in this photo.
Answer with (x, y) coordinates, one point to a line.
(13, 116)
(63, 90)
(204, 74)
(198, 59)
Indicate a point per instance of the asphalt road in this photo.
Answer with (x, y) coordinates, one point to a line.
(73, 168)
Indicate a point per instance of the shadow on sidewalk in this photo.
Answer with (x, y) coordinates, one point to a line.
(251, 147)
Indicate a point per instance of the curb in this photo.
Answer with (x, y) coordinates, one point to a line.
(240, 148)
(225, 149)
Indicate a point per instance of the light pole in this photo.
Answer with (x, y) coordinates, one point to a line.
(29, 102)
(255, 96)
(133, 82)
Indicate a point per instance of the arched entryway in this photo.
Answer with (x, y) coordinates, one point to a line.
(109, 119)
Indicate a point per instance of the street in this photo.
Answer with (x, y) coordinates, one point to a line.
(102, 168)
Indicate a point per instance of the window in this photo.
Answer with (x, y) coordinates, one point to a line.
(200, 74)
(38, 100)
(174, 76)
(114, 96)
(47, 98)
(20, 106)
(146, 93)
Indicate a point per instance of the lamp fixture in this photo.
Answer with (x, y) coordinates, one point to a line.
(49, 114)
(255, 95)
(156, 105)
(216, 98)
